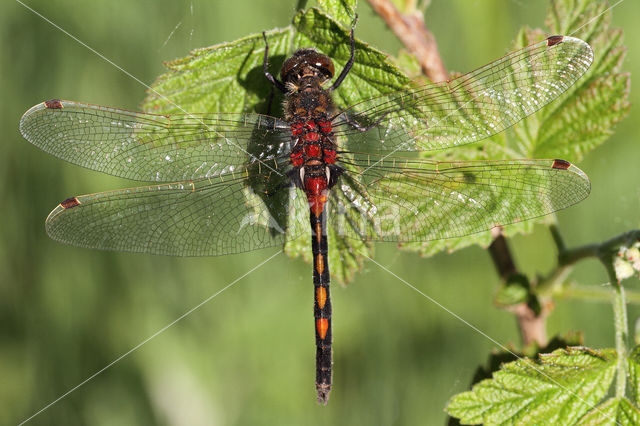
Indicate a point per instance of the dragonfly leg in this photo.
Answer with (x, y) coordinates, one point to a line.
(349, 64)
(270, 100)
(358, 126)
(265, 67)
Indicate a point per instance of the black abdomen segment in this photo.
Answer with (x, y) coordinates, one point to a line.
(321, 306)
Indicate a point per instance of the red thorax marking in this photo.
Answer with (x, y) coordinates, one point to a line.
(312, 150)
(296, 129)
(325, 126)
(311, 137)
(330, 156)
(296, 159)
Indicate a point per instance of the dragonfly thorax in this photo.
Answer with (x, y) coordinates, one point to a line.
(308, 107)
(314, 155)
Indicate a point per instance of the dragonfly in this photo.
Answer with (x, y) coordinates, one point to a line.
(223, 183)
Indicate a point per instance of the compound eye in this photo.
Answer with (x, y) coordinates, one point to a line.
(288, 65)
(304, 58)
(323, 63)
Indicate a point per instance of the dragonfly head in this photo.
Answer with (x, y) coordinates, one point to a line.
(305, 64)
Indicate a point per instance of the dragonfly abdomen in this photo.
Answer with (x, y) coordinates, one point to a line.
(322, 305)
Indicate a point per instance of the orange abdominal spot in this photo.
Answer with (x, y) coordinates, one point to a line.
(320, 264)
(321, 296)
(322, 325)
(317, 205)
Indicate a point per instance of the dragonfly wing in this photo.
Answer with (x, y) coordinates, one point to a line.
(206, 217)
(469, 108)
(150, 147)
(420, 200)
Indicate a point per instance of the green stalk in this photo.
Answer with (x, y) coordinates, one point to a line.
(594, 293)
(622, 331)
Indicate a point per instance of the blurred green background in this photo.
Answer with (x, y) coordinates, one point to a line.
(247, 356)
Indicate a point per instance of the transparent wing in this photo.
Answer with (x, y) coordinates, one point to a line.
(149, 147)
(421, 200)
(206, 217)
(469, 108)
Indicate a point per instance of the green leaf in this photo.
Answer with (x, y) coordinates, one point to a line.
(513, 292)
(557, 388)
(343, 11)
(585, 117)
(614, 411)
(586, 120)
(226, 77)
(634, 373)
(499, 357)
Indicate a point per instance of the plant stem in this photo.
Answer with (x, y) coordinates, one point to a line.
(605, 252)
(413, 33)
(557, 238)
(594, 293)
(622, 331)
(568, 257)
(531, 323)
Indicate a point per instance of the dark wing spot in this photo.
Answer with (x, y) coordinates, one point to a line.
(70, 202)
(469, 177)
(53, 104)
(553, 40)
(561, 164)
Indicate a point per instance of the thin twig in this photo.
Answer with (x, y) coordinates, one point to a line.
(594, 293)
(501, 255)
(557, 238)
(412, 32)
(605, 248)
(568, 257)
(532, 323)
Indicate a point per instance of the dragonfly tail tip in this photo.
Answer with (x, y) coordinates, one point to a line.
(323, 393)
